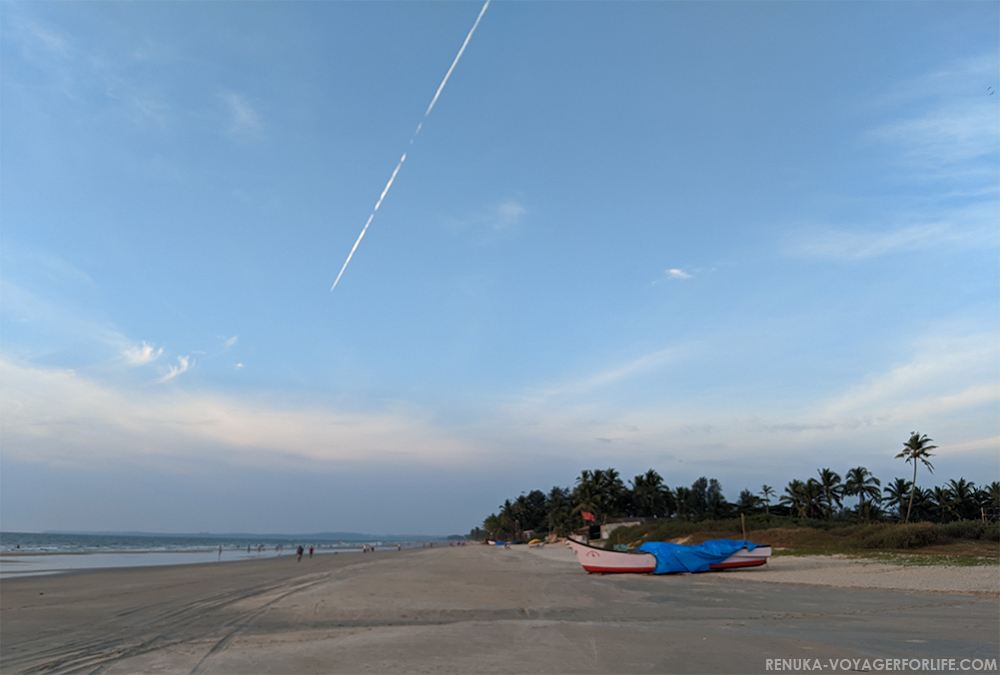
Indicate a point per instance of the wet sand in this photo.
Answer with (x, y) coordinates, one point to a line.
(478, 609)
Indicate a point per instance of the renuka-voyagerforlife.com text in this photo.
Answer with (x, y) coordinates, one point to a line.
(979, 665)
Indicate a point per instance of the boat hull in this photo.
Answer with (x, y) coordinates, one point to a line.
(600, 561)
(745, 558)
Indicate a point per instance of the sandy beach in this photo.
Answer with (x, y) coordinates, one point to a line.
(478, 609)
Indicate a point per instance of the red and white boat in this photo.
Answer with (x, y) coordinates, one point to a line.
(599, 560)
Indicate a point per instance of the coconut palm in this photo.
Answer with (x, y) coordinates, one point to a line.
(860, 482)
(507, 518)
(684, 499)
(804, 498)
(869, 511)
(793, 496)
(598, 492)
(923, 504)
(917, 448)
(963, 498)
(616, 493)
(559, 511)
(897, 492)
(832, 490)
(766, 492)
(748, 502)
(587, 495)
(942, 504)
(649, 495)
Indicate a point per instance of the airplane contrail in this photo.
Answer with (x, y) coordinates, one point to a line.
(402, 159)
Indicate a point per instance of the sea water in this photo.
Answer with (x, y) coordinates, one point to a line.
(24, 553)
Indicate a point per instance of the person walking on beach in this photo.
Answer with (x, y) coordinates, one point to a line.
(220, 551)
(310, 551)
(298, 557)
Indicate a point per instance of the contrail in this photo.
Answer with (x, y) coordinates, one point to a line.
(402, 159)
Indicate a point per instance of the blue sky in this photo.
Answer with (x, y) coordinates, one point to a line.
(741, 240)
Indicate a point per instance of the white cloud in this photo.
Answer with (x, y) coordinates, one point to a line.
(50, 40)
(60, 417)
(244, 122)
(957, 133)
(948, 388)
(992, 444)
(37, 42)
(504, 216)
(229, 342)
(240, 366)
(508, 214)
(945, 375)
(969, 227)
(675, 273)
(137, 356)
(184, 362)
(635, 368)
(950, 125)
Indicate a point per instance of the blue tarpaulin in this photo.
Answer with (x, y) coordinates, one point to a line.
(679, 558)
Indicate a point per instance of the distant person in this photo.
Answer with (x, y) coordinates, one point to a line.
(220, 551)
(298, 557)
(310, 551)
(399, 547)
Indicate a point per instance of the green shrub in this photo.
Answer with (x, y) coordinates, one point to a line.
(972, 529)
(913, 535)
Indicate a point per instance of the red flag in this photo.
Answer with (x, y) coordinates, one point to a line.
(587, 515)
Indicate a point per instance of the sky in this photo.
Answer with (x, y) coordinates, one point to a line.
(737, 240)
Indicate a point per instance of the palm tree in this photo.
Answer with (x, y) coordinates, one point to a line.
(861, 482)
(963, 500)
(813, 496)
(896, 493)
(793, 496)
(649, 494)
(748, 502)
(685, 502)
(942, 504)
(586, 495)
(803, 498)
(917, 448)
(508, 519)
(766, 492)
(923, 504)
(559, 510)
(615, 493)
(832, 489)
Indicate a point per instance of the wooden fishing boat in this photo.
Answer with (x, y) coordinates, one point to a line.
(745, 558)
(599, 560)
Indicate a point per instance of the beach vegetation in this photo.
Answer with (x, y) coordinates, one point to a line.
(810, 515)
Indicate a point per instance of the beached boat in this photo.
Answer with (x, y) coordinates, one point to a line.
(599, 560)
(596, 559)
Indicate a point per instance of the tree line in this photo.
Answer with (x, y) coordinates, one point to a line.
(826, 496)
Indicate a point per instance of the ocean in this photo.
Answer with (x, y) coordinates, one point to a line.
(27, 553)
